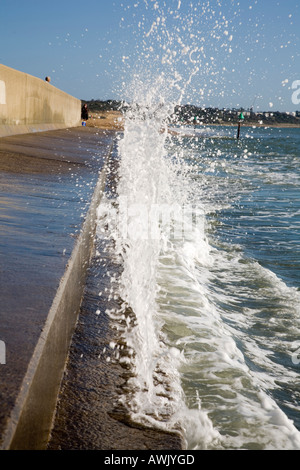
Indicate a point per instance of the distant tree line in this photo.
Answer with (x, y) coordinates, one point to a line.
(188, 113)
(100, 106)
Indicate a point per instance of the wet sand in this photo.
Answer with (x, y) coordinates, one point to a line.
(112, 120)
(52, 152)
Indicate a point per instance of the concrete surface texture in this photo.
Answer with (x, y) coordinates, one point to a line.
(89, 415)
(50, 185)
(29, 104)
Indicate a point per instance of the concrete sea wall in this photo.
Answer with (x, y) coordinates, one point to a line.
(29, 104)
(51, 186)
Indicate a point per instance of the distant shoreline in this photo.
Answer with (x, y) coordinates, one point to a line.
(114, 120)
(254, 124)
(107, 114)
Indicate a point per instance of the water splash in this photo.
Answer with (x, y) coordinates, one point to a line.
(175, 330)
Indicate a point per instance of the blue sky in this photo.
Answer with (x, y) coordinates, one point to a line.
(224, 53)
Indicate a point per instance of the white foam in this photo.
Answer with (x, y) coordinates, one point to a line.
(181, 336)
(190, 354)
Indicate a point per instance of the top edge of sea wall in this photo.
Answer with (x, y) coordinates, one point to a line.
(29, 104)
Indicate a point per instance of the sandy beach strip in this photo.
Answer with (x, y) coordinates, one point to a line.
(107, 120)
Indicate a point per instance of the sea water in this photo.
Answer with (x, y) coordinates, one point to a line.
(208, 229)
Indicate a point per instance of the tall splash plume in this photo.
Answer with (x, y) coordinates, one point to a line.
(144, 185)
(169, 56)
(189, 46)
(185, 368)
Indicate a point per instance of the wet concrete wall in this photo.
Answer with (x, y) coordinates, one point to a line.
(29, 104)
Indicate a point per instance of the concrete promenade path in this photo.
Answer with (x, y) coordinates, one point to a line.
(48, 182)
(57, 390)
